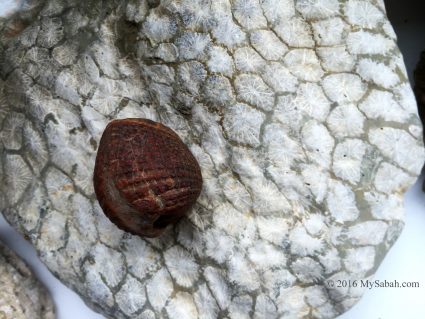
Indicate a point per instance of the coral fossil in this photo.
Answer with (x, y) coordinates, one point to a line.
(306, 133)
(21, 295)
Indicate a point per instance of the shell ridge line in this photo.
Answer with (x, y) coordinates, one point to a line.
(147, 173)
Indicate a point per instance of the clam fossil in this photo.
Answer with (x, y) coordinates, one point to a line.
(145, 177)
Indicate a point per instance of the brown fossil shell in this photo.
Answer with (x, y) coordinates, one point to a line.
(145, 177)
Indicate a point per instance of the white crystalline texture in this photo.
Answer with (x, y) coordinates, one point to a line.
(362, 13)
(21, 295)
(293, 304)
(205, 301)
(131, 296)
(311, 9)
(248, 60)
(218, 286)
(278, 77)
(242, 274)
(303, 244)
(336, 59)
(220, 61)
(182, 267)
(295, 32)
(392, 111)
(368, 233)
(391, 142)
(364, 42)
(346, 120)
(330, 32)
(278, 10)
(273, 229)
(11, 135)
(110, 264)
(252, 89)
(390, 178)
(264, 308)
(304, 64)
(359, 260)
(228, 33)
(341, 203)
(318, 143)
(268, 44)
(159, 28)
(192, 45)
(240, 307)
(344, 87)
(249, 14)
(182, 306)
(275, 137)
(312, 101)
(159, 289)
(264, 255)
(247, 131)
(348, 157)
(299, 113)
(307, 270)
(378, 73)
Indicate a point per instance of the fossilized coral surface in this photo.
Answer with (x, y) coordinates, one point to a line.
(299, 113)
(21, 295)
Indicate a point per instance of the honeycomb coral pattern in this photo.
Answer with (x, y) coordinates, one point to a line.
(299, 113)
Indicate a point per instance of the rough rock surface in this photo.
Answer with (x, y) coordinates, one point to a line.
(299, 113)
(21, 295)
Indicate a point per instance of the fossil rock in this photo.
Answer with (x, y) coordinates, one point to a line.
(299, 113)
(21, 295)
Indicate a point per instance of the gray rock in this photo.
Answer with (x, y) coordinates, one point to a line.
(21, 295)
(299, 113)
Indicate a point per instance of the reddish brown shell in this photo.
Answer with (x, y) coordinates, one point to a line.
(145, 177)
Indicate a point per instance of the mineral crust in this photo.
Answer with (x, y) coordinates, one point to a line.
(21, 295)
(299, 113)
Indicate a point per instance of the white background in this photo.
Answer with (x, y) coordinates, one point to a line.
(404, 262)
